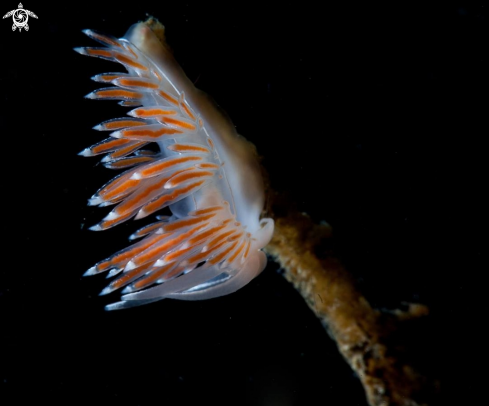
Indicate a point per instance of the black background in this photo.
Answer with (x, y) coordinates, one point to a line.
(373, 118)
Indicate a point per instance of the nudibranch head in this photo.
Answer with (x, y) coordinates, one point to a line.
(203, 171)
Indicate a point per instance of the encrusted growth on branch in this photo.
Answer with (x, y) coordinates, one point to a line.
(363, 334)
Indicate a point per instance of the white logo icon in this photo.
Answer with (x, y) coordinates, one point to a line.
(20, 17)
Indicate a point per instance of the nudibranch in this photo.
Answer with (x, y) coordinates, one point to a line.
(210, 242)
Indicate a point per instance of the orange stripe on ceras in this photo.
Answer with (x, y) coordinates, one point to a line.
(130, 275)
(187, 110)
(104, 265)
(208, 165)
(248, 242)
(118, 124)
(236, 253)
(167, 97)
(109, 223)
(162, 166)
(129, 94)
(206, 210)
(175, 255)
(137, 199)
(137, 83)
(155, 275)
(158, 251)
(150, 133)
(219, 257)
(186, 176)
(108, 78)
(219, 238)
(174, 272)
(123, 163)
(159, 202)
(179, 123)
(145, 112)
(202, 256)
(126, 255)
(129, 48)
(128, 61)
(236, 236)
(105, 39)
(109, 145)
(148, 229)
(156, 74)
(126, 150)
(187, 148)
(124, 187)
(98, 52)
(204, 235)
(151, 254)
(177, 224)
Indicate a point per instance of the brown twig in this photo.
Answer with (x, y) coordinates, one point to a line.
(361, 332)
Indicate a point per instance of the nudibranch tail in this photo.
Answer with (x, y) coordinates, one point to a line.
(202, 171)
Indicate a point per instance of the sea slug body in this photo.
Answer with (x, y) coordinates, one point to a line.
(204, 172)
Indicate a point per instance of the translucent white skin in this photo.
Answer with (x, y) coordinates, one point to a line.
(240, 164)
(241, 185)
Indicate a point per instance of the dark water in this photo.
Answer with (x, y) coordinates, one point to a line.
(373, 120)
